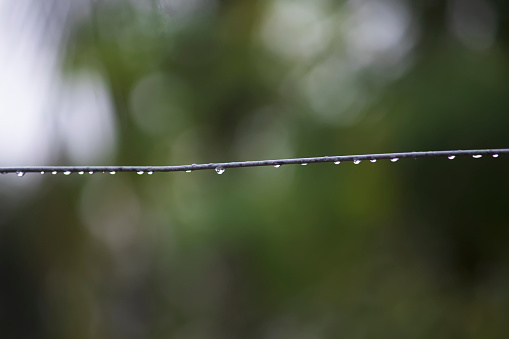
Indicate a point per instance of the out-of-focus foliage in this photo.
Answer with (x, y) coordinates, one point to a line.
(407, 249)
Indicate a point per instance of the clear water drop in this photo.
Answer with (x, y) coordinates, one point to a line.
(337, 162)
(188, 171)
(356, 161)
(113, 172)
(220, 170)
(42, 172)
(477, 156)
(140, 172)
(373, 160)
(394, 159)
(81, 172)
(67, 172)
(54, 172)
(91, 172)
(495, 155)
(451, 157)
(20, 174)
(150, 172)
(304, 163)
(277, 166)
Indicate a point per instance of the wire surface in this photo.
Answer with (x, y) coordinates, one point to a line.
(219, 167)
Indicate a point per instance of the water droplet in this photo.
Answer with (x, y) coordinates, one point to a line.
(150, 172)
(337, 162)
(373, 160)
(495, 155)
(67, 172)
(451, 157)
(394, 159)
(477, 156)
(91, 172)
(81, 172)
(42, 172)
(356, 161)
(54, 172)
(220, 170)
(277, 165)
(304, 163)
(113, 172)
(188, 171)
(140, 172)
(20, 174)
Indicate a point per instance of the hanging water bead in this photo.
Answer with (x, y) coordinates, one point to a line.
(477, 156)
(42, 172)
(337, 162)
(113, 172)
(220, 170)
(54, 172)
(495, 155)
(140, 172)
(451, 157)
(91, 172)
(356, 161)
(394, 159)
(277, 165)
(67, 172)
(20, 174)
(373, 160)
(150, 172)
(81, 172)
(188, 171)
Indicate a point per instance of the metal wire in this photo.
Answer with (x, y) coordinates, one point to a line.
(219, 167)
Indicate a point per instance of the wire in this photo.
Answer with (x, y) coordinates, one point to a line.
(220, 167)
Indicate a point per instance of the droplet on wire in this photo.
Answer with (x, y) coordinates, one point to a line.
(20, 174)
(451, 157)
(394, 159)
(337, 162)
(356, 161)
(140, 172)
(42, 172)
(220, 170)
(54, 172)
(188, 171)
(373, 160)
(304, 163)
(91, 172)
(495, 155)
(477, 156)
(113, 172)
(81, 172)
(150, 172)
(67, 172)
(277, 165)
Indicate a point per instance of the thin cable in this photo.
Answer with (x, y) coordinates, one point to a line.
(219, 167)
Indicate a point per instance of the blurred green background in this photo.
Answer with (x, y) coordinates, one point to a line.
(412, 249)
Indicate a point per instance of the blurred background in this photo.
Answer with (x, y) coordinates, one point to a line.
(415, 249)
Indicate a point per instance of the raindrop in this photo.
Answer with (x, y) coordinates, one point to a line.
(394, 159)
(373, 160)
(277, 165)
(220, 170)
(150, 172)
(477, 156)
(495, 155)
(451, 157)
(113, 172)
(91, 172)
(67, 172)
(54, 172)
(304, 163)
(188, 171)
(337, 162)
(140, 172)
(20, 174)
(356, 161)
(81, 172)
(42, 172)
